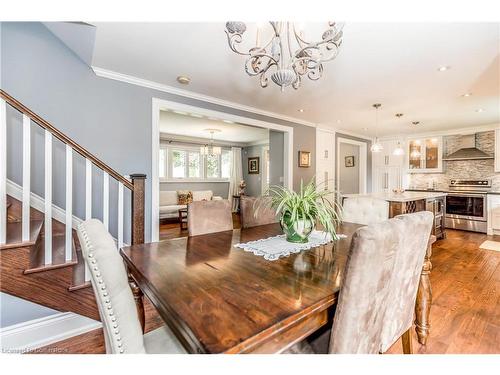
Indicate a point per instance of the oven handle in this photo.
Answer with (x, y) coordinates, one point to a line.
(471, 195)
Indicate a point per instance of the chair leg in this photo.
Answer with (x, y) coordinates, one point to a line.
(407, 343)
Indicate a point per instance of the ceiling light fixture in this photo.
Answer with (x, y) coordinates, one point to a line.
(300, 110)
(376, 146)
(184, 80)
(210, 149)
(467, 94)
(287, 51)
(444, 68)
(399, 150)
(479, 110)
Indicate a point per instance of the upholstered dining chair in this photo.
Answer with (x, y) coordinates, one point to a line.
(365, 210)
(122, 330)
(251, 218)
(379, 288)
(209, 217)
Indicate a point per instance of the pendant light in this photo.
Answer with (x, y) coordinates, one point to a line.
(398, 151)
(415, 152)
(376, 146)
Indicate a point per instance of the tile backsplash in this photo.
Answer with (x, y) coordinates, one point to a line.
(461, 169)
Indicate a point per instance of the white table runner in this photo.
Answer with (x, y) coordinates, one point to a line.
(273, 248)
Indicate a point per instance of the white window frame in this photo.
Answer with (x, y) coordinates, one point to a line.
(203, 165)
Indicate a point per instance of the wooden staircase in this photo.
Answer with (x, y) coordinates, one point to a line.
(40, 257)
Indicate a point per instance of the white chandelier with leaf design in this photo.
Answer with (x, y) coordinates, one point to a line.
(286, 57)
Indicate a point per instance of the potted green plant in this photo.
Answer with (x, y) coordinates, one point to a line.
(300, 211)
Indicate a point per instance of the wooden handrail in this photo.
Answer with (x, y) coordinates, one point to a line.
(65, 139)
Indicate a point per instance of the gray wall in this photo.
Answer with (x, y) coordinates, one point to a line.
(368, 158)
(253, 181)
(276, 157)
(111, 119)
(349, 176)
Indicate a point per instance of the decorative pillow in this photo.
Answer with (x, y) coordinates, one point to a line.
(184, 196)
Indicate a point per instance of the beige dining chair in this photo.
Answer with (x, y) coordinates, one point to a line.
(365, 210)
(379, 288)
(252, 214)
(117, 309)
(209, 217)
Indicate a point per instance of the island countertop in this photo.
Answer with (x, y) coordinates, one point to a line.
(407, 196)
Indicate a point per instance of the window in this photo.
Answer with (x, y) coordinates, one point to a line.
(186, 162)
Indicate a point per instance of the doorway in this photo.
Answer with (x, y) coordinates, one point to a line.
(159, 105)
(351, 166)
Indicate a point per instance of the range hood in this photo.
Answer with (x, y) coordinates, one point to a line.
(468, 150)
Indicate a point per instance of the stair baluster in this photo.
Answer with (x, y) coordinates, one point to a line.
(48, 198)
(26, 178)
(69, 204)
(3, 172)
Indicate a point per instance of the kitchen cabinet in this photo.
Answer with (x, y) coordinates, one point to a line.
(493, 214)
(425, 155)
(387, 168)
(497, 150)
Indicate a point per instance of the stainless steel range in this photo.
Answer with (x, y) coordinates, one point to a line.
(466, 205)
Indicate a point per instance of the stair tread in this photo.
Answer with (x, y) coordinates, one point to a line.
(37, 256)
(14, 234)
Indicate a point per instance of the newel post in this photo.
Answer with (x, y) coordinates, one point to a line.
(138, 180)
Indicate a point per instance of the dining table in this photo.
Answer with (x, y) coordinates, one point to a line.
(217, 298)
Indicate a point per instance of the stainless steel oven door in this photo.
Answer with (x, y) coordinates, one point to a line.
(466, 206)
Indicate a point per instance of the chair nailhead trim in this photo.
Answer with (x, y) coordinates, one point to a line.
(97, 277)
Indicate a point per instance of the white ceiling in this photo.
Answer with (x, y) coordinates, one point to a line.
(187, 125)
(391, 63)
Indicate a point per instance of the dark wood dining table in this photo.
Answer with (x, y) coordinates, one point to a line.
(220, 299)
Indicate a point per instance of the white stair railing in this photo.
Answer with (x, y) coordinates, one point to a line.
(136, 186)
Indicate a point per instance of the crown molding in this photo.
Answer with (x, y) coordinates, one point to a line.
(105, 73)
(456, 131)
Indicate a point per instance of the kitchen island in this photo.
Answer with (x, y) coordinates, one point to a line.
(413, 201)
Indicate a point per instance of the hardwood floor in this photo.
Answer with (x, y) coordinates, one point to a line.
(465, 314)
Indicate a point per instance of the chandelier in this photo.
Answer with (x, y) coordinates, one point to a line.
(286, 52)
(210, 149)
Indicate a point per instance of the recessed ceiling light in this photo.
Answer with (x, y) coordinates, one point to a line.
(183, 80)
(444, 68)
(228, 121)
(300, 110)
(479, 110)
(467, 94)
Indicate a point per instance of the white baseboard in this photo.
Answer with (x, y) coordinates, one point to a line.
(34, 334)
(16, 191)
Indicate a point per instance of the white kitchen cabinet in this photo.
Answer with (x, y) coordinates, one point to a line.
(493, 214)
(425, 155)
(497, 150)
(387, 168)
(387, 178)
